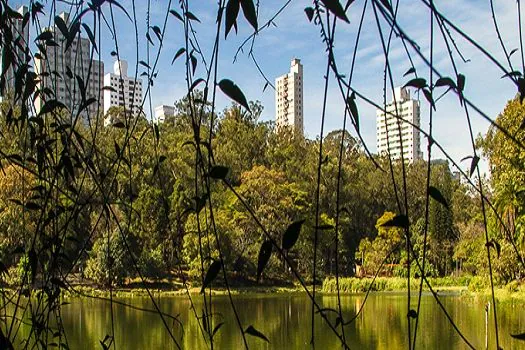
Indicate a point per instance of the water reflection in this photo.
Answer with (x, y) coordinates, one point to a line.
(285, 320)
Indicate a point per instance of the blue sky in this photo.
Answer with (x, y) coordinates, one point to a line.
(294, 36)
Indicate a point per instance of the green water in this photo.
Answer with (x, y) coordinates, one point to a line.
(285, 320)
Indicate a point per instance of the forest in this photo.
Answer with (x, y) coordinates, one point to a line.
(266, 175)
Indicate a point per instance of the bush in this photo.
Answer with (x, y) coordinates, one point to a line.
(108, 269)
(152, 263)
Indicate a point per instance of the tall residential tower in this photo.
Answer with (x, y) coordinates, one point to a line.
(389, 141)
(289, 99)
(64, 69)
(123, 91)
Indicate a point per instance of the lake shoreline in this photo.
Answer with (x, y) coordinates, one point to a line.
(469, 288)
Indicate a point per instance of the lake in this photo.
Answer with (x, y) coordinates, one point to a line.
(285, 320)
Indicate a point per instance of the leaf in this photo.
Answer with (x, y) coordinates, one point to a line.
(387, 5)
(177, 15)
(249, 13)
(335, 7)
(418, 83)
(515, 73)
(32, 206)
(212, 273)
(291, 234)
(461, 82)
(50, 106)
(521, 88)
(429, 98)
(353, 110)
(216, 329)
(193, 63)
(232, 11)
(473, 165)
(309, 13)
(324, 227)
(90, 36)
(264, 256)
(410, 71)
(412, 313)
(191, 16)
(61, 25)
(495, 245)
(144, 64)
(518, 336)
(178, 54)
(397, 221)
(445, 81)
(232, 91)
(157, 32)
(44, 36)
(196, 83)
(33, 263)
(436, 194)
(254, 332)
(219, 172)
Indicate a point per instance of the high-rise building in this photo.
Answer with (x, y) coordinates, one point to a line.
(14, 44)
(64, 71)
(389, 141)
(125, 92)
(289, 99)
(162, 112)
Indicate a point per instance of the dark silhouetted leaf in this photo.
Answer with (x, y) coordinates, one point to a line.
(337, 321)
(495, 245)
(515, 73)
(157, 32)
(445, 81)
(309, 13)
(216, 329)
(177, 15)
(144, 64)
(410, 71)
(291, 234)
(212, 273)
(249, 13)
(353, 110)
(232, 11)
(387, 5)
(44, 36)
(232, 91)
(32, 206)
(61, 25)
(191, 16)
(397, 221)
(58, 282)
(254, 332)
(50, 106)
(196, 83)
(178, 54)
(436, 194)
(461, 82)
(193, 60)
(118, 125)
(324, 227)
(518, 336)
(412, 313)
(264, 256)
(429, 98)
(90, 36)
(418, 83)
(335, 7)
(33, 263)
(521, 88)
(219, 172)
(473, 165)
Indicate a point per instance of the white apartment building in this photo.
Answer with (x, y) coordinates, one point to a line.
(18, 41)
(289, 99)
(124, 91)
(162, 112)
(389, 141)
(59, 72)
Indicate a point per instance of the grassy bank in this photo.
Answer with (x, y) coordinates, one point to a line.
(474, 287)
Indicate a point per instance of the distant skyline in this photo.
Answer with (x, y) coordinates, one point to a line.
(294, 36)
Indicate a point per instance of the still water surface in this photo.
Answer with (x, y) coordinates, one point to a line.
(285, 320)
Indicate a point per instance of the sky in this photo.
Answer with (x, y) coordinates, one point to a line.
(293, 36)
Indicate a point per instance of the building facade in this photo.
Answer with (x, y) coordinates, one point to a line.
(122, 91)
(60, 69)
(162, 112)
(389, 140)
(289, 99)
(18, 41)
